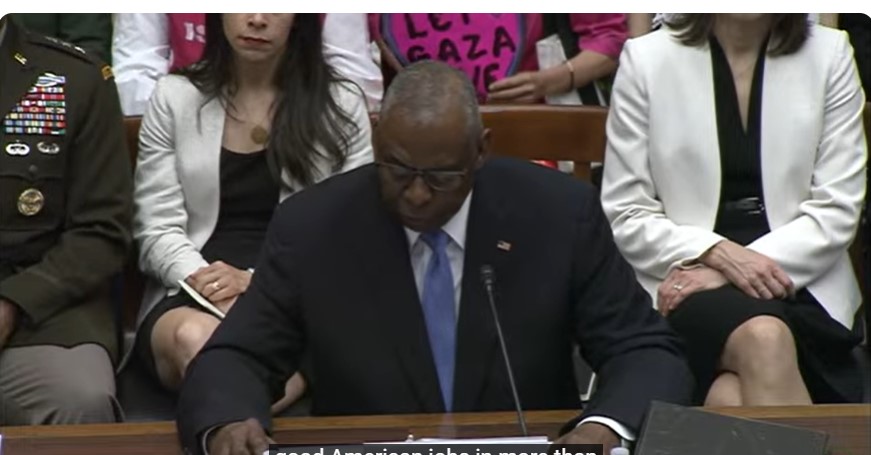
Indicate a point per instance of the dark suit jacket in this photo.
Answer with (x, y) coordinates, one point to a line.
(56, 263)
(335, 279)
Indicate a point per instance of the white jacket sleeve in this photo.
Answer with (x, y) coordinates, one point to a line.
(140, 56)
(346, 48)
(160, 220)
(807, 246)
(648, 239)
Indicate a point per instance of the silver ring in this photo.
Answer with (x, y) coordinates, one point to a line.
(216, 286)
(678, 287)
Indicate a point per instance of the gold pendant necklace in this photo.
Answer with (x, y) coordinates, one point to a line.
(259, 135)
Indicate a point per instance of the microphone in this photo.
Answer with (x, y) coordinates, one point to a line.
(488, 276)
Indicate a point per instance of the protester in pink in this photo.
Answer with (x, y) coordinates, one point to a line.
(498, 51)
(148, 46)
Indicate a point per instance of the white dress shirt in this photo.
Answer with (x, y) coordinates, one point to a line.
(420, 254)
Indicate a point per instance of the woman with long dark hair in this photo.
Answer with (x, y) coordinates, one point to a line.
(734, 178)
(258, 118)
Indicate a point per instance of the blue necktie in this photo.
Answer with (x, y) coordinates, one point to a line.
(439, 311)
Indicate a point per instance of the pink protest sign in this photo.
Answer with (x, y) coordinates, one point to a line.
(487, 47)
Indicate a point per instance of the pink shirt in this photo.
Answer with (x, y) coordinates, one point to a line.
(488, 47)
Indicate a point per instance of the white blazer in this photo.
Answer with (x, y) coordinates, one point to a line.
(177, 182)
(662, 177)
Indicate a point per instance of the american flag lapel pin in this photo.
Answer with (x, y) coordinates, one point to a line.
(503, 245)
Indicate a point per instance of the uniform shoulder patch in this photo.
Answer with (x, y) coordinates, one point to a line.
(66, 45)
(68, 48)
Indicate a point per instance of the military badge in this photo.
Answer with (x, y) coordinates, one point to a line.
(42, 110)
(49, 148)
(17, 149)
(30, 202)
(50, 80)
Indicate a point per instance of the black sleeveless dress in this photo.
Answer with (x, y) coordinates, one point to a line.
(249, 196)
(706, 319)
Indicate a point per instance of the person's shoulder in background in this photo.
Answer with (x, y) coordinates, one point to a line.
(92, 32)
(858, 27)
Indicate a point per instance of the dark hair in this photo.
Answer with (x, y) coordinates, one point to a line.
(788, 31)
(306, 111)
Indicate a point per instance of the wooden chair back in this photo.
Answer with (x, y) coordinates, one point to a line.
(542, 132)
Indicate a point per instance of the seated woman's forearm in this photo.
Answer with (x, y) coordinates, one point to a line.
(586, 67)
(755, 274)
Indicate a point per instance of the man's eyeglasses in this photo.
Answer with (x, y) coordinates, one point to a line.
(438, 180)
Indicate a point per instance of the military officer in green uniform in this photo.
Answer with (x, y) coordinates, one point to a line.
(65, 210)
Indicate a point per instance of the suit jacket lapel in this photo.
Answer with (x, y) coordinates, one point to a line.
(200, 154)
(782, 146)
(17, 72)
(706, 162)
(488, 242)
(211, 137)
(384, 251)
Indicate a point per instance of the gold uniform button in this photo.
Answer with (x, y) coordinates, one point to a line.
(30, 202)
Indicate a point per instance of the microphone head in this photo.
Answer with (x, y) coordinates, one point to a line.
(488, 275)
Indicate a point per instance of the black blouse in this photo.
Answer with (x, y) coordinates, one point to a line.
(249, 195)
(740, 157)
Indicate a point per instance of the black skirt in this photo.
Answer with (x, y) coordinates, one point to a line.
(824, 347)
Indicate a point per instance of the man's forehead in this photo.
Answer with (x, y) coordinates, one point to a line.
(422, 129)
(422, 148)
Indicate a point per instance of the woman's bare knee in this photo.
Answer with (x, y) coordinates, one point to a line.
(191, 335)
(762, 342)
(762, 352)
(177, 338)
